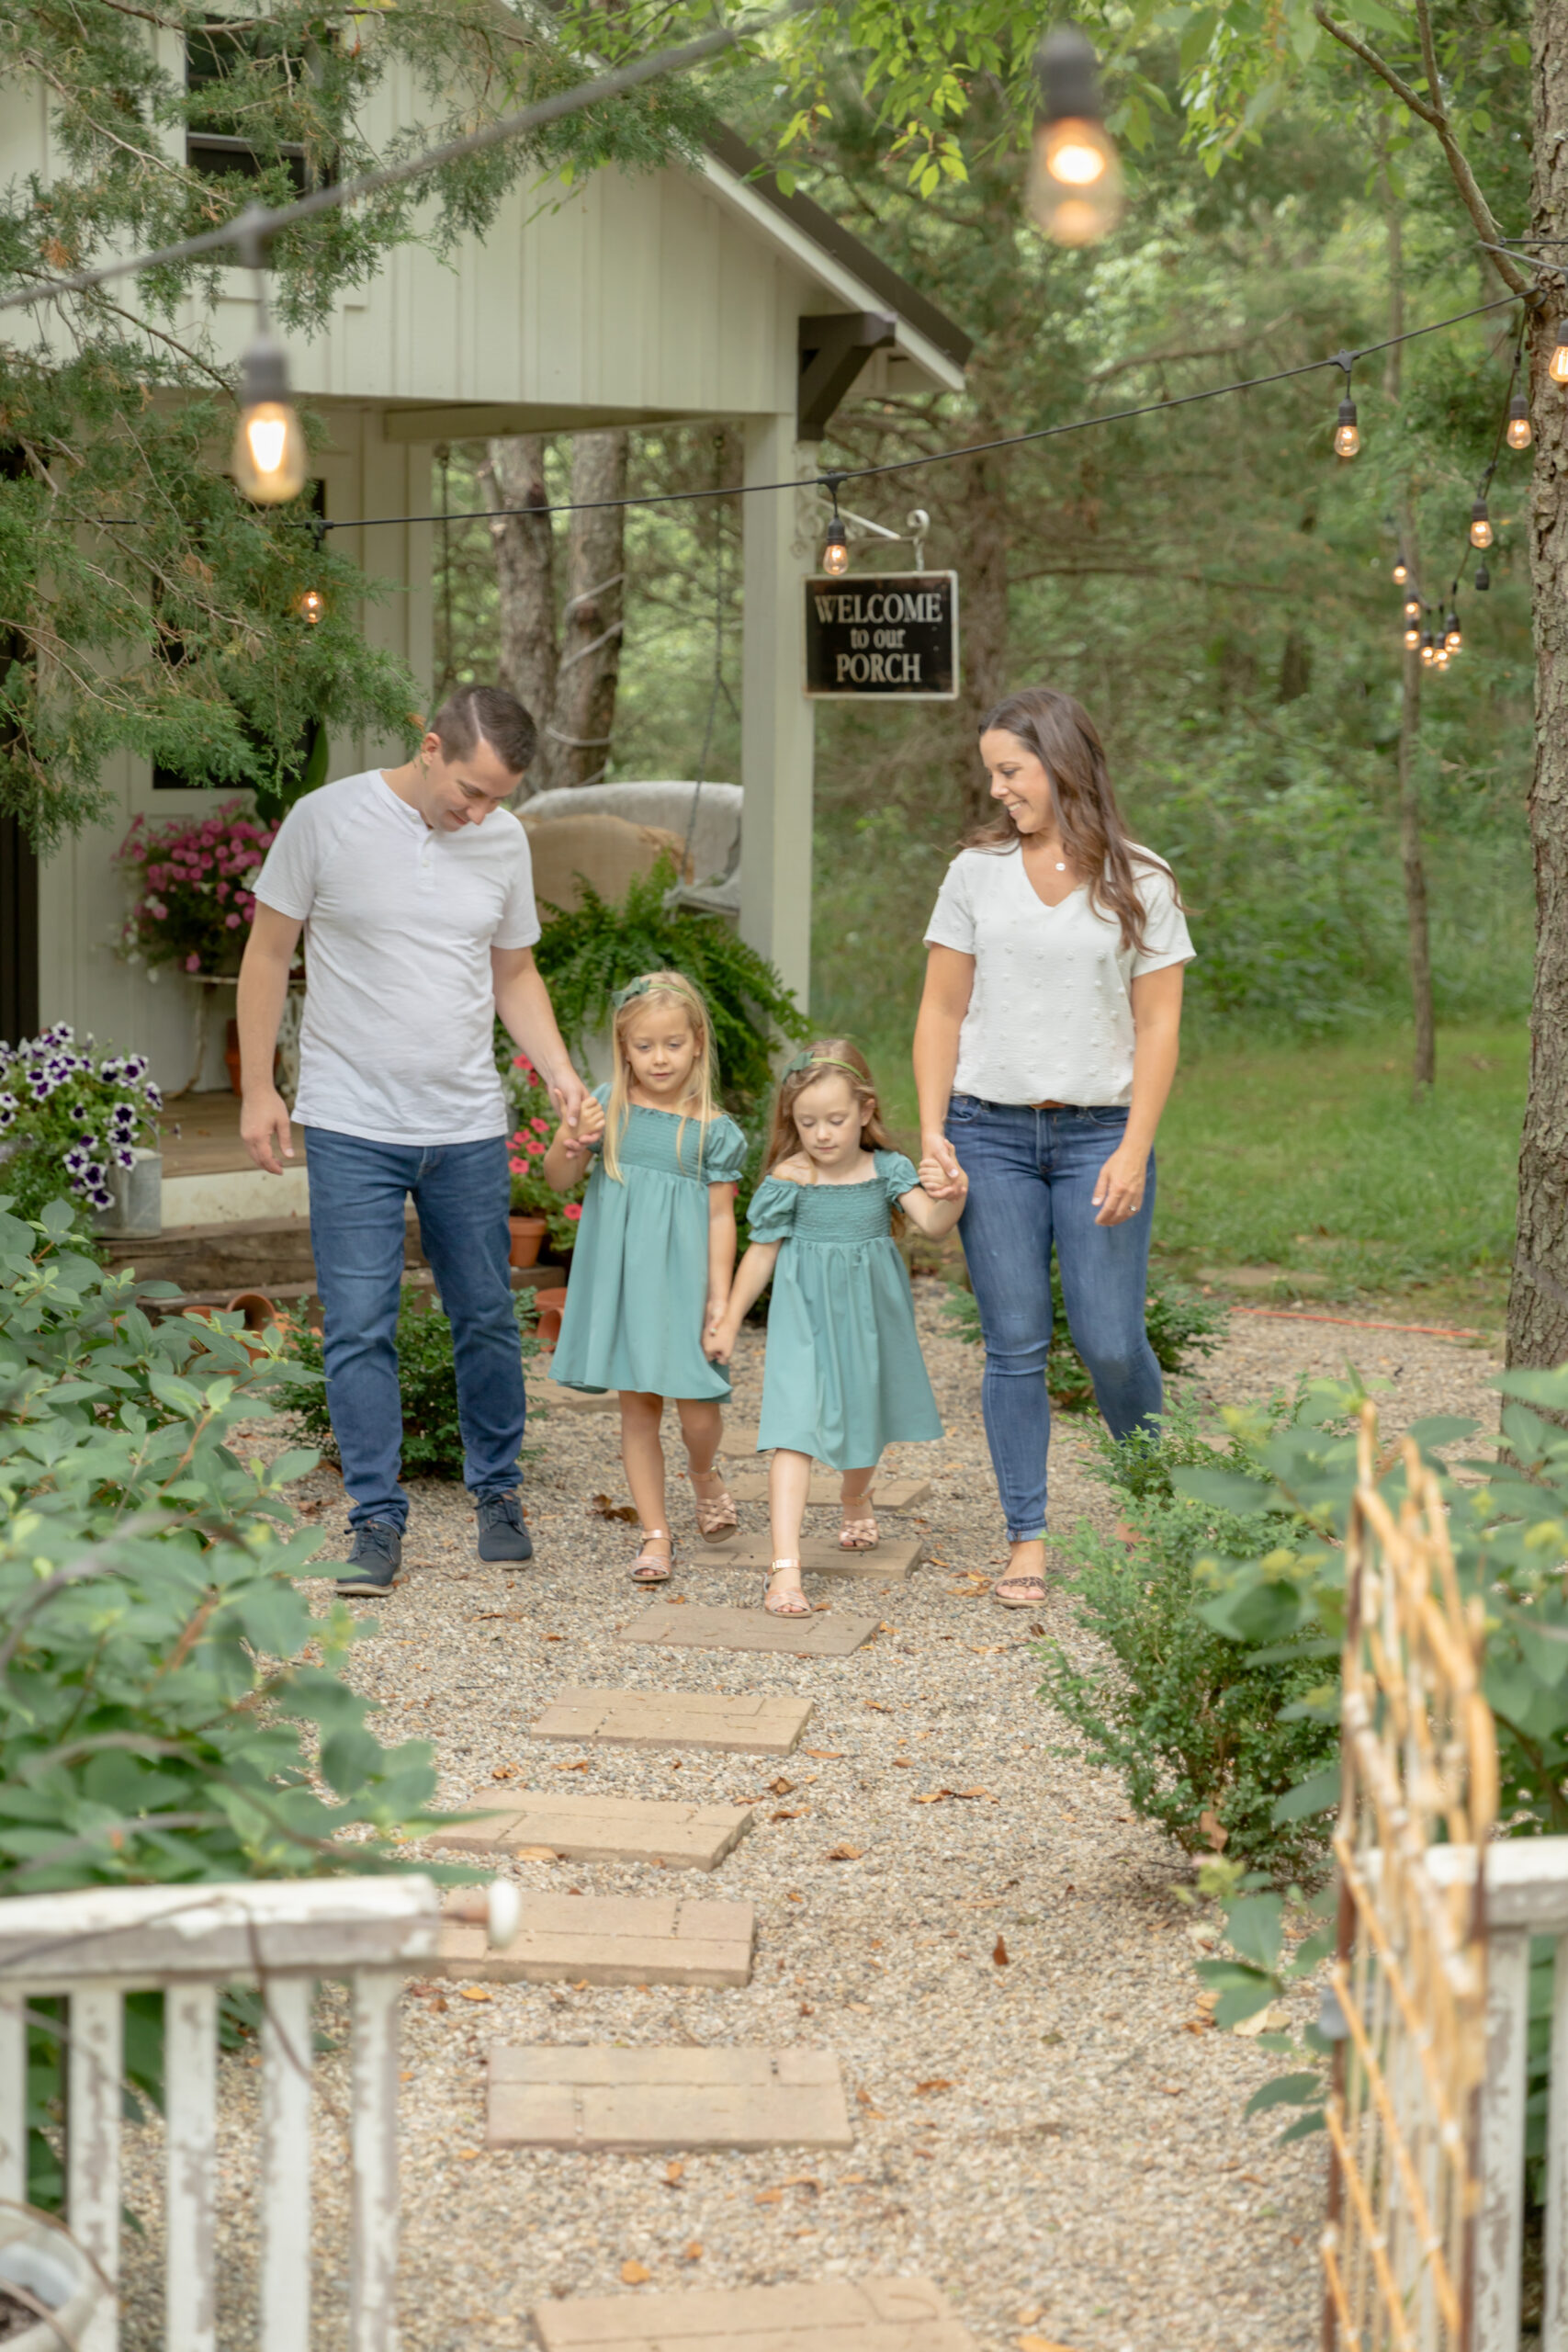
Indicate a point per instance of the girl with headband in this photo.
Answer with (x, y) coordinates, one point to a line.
(843, 1375)
(655, 1250)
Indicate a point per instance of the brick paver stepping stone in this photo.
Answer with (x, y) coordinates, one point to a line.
(590, 1828)
(609, 1940)
(693, 1719)
(889, 1493)
(604, 2097)
(832, 1634)
(876, 2315)
(571, 1400)
(892, 1560)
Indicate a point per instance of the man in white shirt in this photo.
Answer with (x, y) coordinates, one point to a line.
(414, 889)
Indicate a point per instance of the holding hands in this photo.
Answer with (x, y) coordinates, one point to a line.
(581, 1130)
(940, 1175)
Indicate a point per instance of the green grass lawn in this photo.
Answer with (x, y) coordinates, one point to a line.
(1312, 1169)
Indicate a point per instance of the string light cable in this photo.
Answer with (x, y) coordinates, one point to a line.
(1439, 644)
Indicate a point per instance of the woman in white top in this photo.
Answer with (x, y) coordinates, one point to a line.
(1044, 1051)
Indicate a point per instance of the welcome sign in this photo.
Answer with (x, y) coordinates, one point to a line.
(891, 637)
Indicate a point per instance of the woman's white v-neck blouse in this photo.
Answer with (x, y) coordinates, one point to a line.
(1050, 1017)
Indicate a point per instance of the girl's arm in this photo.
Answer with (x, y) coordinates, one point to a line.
(935, 1219)
(569, 1146)
(1157, 1042)
(950, 981)
(756, 1271)
(721, 1252)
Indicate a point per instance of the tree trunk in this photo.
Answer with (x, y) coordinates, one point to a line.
(1538, 1298)
(584, 718)
(982, 510)
(514, 475)
(1424, 1068)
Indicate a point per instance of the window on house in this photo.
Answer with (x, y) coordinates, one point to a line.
(216, 58)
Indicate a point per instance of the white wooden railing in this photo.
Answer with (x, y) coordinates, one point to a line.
(189, 1942)
(1527, 1896)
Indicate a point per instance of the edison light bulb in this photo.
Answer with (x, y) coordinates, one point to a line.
(1557, 366)
(1428, 651)
(1440, 657)
(836, 550)
(1479, 525)
(310, 605)
(1347, 433)
(1452, 637)
(1520, 434)
(1075, 189)
(1411, 636)
(1400, 572)
(1413, 608)
(269, 448)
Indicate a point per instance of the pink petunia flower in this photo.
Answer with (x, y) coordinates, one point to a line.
(193, 963)
(231, 922)
(573, 1209)
(540, 1126)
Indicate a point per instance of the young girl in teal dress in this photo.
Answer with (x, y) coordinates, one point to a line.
(843, 1375)
(655, 1250)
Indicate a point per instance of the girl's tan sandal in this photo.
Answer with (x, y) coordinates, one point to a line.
(648, 1568)
(859, 1534)
(788, 1604)
(716, 1514)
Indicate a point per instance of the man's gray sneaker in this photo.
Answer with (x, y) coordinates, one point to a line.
(375, 1563)
(502, 1536)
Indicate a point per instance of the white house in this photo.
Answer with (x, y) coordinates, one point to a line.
(675, 295)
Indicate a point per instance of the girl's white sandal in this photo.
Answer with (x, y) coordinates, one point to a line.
(648, 1567)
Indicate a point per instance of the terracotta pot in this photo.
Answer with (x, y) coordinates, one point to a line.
(527, 1239)
(551, 1304)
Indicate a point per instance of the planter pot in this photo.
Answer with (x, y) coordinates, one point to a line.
(138, 1197)
(527, 1239)
(45, 2262)
(551, 1304)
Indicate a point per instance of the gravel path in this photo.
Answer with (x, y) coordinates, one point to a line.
(1056, 2139)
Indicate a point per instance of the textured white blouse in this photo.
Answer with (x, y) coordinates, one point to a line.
(1050, 1017)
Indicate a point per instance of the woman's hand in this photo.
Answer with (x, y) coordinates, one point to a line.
(719, 1335)
(940, 1173)
(1118, 1188)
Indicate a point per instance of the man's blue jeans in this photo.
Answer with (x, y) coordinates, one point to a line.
(461, 1191)
(1031, 1178)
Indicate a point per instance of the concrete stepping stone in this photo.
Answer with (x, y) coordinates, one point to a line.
(894, 1558)
(560, 2097)
(571, 1400)
(591, 1828)
(890, 1494)
(608, 1940)
(688, 1719)
(830, 1635)
(873, 2315)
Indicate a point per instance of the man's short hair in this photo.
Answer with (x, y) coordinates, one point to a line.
(489, 712)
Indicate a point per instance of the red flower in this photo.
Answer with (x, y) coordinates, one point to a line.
(573, 1209)
(540, 1126)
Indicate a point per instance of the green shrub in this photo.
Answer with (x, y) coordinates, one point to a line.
(587, 955)
(170, 1710)
(1181, 1326)
(1206, 1736)
(433, 1439)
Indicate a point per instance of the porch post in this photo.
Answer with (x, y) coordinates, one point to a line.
(776, 721)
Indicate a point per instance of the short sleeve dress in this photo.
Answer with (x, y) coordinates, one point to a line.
(640, 1271)
(843, 1375)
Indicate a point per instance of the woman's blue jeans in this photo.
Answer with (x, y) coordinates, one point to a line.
(1031, 1178)
(359, 1196)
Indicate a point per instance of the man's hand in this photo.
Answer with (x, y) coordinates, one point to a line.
(265, 1130)
(940, 1175)
(570, 1095)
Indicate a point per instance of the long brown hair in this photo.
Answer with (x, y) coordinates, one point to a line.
(825, 1057)
(1065, 739)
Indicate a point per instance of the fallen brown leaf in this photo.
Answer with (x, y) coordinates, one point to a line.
(824, 1751)
(937, 2083)
(780, 1787)
(535, 1853)
(876, 1706)
(552, 1637)
(694, 2253)
(673, 2170)
(580, 1766)
(769, 2196)
(935, 1797)
(1041, 2344)
(786, 1813)
(605, 1507)
(633, 2274)
(506, 1772)
(904, 1763)
(1214, 1829)
(844, 1853)
(999, 1952)
(474, 1992)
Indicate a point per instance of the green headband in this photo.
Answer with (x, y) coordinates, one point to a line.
(823, 1061)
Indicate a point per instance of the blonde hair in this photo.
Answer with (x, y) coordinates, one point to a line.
(637, 997)
(827, 1057)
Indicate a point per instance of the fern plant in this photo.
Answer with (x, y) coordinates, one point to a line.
(587, 955)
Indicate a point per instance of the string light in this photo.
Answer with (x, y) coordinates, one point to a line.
(269, 448)
(310, 605)
(1557, 366)
(1347, 433)
(1520, 434)
(1482, 578)
(836, 547)
(1413, 607)
(1075, 189)
(1428, 651)
(1452, 638)
(1480, 525)
(1400, 572)
(1412, 635)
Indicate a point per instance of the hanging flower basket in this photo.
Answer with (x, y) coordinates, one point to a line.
(193, 889)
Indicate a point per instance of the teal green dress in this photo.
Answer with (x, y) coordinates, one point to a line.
(639, 1270)
(843, 1375)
